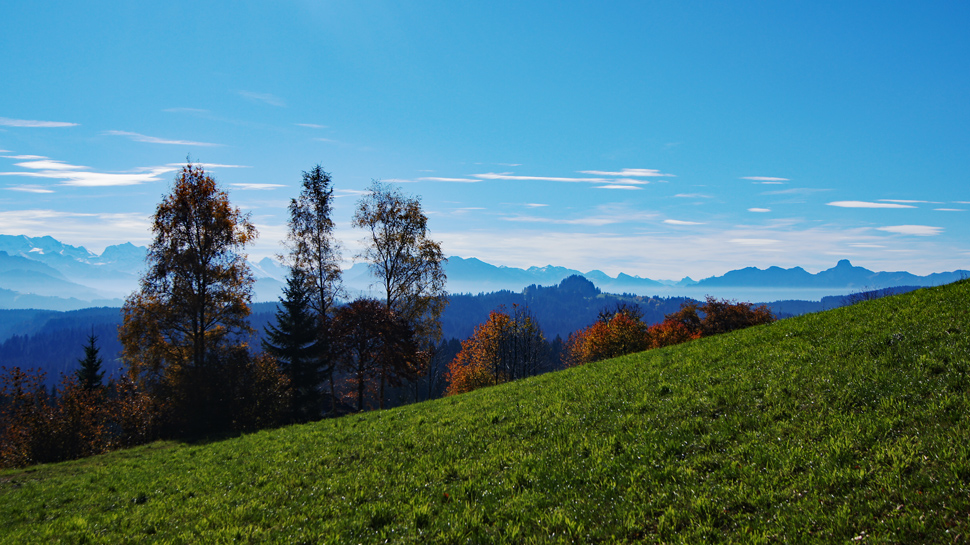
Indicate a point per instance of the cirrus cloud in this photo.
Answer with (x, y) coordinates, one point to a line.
(29, 189)
(629, 172)
(754, 241)
(765, 179)
(510, 176)
(154, 140)
(617, 186)
(682, 222)
(867, 204)
(82, 176)
(458, 180)
(256, 187)
(915, 230)
(7, 122)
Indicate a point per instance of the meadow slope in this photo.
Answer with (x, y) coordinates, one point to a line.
(845, 425)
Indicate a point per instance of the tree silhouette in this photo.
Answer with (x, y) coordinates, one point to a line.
(314, 257)
(90, 375)
(293, 341)
(194, 298)
(375, 346)
(406, 261)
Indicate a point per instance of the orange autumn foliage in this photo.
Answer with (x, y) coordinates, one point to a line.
(506, 347)
(622, 334)
(37, 427)
(475, 365)
(670, 332)
(625, 333)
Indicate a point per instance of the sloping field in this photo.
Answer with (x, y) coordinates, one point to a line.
(833, 427)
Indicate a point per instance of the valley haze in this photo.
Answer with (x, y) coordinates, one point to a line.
(44, 273)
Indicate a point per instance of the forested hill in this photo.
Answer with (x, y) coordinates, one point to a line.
(560, 310)
(53, 340)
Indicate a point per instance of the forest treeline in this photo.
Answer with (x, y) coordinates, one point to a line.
(191, 364)
(53, 340)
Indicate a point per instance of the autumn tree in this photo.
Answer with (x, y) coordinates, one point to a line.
(408, 264)
(722, 316)
(375, 347)
(90, 375)
(671, 332)
(314, 258)
(615, 333)
(313, 250)
(294, 340)
(506, 347)
(38, 427)
(194, 297)
(717, 316)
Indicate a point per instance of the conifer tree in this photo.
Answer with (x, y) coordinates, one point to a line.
(293, 341)
(90, 374)
(314, 254)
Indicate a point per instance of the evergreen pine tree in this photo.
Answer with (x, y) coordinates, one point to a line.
(90, 374)
(293, 342)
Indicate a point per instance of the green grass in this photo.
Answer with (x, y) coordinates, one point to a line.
(833, 427)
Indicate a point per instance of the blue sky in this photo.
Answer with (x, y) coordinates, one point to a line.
(660, 139)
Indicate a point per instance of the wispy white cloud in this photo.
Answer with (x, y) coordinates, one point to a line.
(795, 191)
(692, 196)
(916, 230)
(765, 179)
(682, 222)
(754, 241)
(265, 98)
(81, 176)
(867, 204)
(593, 221)
(24, 157)
(29, 189)
(866, 245)
(49, 164)
(616, 186)
(949, 210)
(338, 193)
(535, 205)
(256, 187)
(906, 201)
(629, 173)
(310, 125)
(605, 214)
(510, 176)
(458, 180)
(759, 210)
(7, 122)
(154, 140)
(509, 164)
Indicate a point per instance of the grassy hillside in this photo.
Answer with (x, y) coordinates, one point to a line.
(845, 425)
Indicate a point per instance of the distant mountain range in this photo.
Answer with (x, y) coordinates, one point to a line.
(44, 273)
